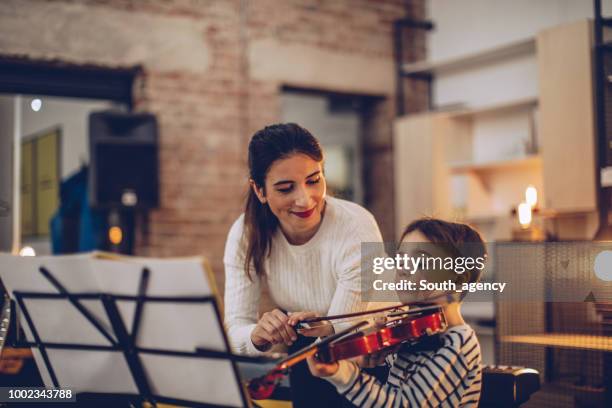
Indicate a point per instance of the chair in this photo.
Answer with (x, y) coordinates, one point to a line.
(506, 386)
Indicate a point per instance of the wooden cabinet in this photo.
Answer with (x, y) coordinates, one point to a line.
(421, 173)
(567, 118)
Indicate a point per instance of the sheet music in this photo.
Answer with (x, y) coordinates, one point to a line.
(210, 380)
(22, 273)
(92, 371)
(58, 321)
(51, 316)
(169, 277)
(197, 325)
(168, 326)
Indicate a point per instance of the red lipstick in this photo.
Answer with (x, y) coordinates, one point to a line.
(305, 214)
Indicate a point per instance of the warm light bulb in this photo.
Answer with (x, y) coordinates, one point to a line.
(27, 251)
(531, 196)
(524, 214)
(115, 235)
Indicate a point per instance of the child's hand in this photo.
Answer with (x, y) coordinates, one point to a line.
(376, 359)
(371, 360)
(318, 329)
(319, 369)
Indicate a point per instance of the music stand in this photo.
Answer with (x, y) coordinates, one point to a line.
(142, 362)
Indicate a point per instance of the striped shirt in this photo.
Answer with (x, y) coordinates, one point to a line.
(447, 377)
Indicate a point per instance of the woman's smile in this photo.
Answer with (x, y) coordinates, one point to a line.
(295, 193)
(304, 214)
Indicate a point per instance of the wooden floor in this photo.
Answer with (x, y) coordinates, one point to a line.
(262, 404)
(274, 404)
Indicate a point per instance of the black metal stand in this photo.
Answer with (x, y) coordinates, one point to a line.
(121, 339)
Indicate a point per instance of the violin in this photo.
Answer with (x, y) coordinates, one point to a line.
(263, 387)
(359, 339)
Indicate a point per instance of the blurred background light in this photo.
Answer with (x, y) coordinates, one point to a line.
(36, 104)
(27, 251)
(115, 235)
(531, 196)
(524, 213)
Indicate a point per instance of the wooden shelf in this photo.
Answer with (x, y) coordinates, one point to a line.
(566, 213)
(469, 113)
(493, 166)
(540, 213)
(570, 341)
(510, 50)
(440, 145)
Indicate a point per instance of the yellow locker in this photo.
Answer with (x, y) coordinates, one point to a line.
(47, 180)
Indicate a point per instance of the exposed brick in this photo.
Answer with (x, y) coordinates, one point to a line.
(206, 103)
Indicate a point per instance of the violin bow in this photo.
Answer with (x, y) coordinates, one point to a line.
(413, 310)
(351, 315)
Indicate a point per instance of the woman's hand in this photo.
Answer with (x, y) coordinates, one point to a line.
(319, 369)
(273, 328)
(318, 329)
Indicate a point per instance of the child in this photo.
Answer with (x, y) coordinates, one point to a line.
(447, 376)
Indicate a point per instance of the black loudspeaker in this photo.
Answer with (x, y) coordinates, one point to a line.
(124, 165)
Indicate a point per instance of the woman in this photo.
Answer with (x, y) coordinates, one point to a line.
(305, 245)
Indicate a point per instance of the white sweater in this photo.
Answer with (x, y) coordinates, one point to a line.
(322, 275)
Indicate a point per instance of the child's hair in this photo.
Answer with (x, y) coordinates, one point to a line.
(460, 239)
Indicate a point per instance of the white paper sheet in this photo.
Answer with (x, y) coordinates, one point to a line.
(198, 325)
(168, 326)
(209, 380)
(92, 371)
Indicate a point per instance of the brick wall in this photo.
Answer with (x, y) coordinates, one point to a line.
(213, 70)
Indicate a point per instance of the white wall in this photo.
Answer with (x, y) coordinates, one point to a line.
(333, 130)
(71, 115)
(466, 26)
(507, 80)
(469, 26)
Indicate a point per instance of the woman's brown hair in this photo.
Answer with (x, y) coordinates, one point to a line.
(268, 145)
